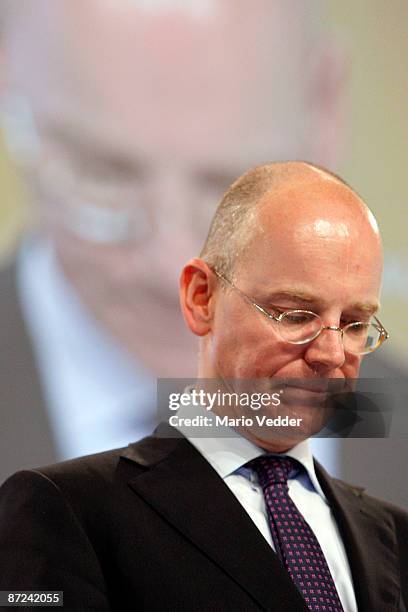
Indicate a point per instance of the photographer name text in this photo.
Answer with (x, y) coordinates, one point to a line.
(227, 421)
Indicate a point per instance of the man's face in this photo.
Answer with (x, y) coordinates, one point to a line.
(168, 105)
(312, 250)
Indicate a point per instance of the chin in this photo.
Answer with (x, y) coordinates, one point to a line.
(280, 428)
(278, 443)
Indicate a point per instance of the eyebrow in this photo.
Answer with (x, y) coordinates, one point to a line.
(300, 296)
(93, 150)
(367, 308)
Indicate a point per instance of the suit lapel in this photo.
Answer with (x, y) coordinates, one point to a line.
(185, 490)
(369, 537)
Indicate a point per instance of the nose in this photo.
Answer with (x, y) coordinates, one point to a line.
(326, 352)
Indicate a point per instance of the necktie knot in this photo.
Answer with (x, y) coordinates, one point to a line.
(273, 470)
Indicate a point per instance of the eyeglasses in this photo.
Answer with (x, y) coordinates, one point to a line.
(101, 195)
(302, 326)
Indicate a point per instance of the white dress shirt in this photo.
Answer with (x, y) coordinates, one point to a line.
(228, 456)
(97, 397)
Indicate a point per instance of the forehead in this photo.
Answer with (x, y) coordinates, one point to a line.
(171, 80)
(319, 240)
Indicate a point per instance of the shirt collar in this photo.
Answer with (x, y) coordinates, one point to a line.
(85, 372)
(228, 451)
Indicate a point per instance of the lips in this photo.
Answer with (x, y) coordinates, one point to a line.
(308, 385)
(328, 385)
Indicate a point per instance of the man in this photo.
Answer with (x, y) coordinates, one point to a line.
(127, 120)
(223, 523)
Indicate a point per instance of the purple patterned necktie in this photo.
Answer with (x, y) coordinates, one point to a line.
(294, 540)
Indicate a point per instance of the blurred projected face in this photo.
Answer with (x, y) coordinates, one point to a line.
(145, 114)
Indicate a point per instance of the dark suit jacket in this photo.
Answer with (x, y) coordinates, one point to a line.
(153, 527)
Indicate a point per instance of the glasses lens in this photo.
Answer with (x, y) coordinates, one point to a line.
(361, 338)
(299, 326)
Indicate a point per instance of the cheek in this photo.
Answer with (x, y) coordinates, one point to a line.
(351, 366)
(247, 350)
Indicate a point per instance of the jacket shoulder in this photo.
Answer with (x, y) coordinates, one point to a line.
(375, 504)
(74, 479)
(98, 465)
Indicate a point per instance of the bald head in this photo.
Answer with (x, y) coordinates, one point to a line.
(290, 200)
(286, 237)
(150, 72)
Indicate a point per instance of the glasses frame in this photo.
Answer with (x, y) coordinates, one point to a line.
(384, 335)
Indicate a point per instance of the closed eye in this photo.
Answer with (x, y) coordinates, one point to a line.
(344, 322)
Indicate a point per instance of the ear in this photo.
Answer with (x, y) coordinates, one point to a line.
(197, 286)
(327, 95)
